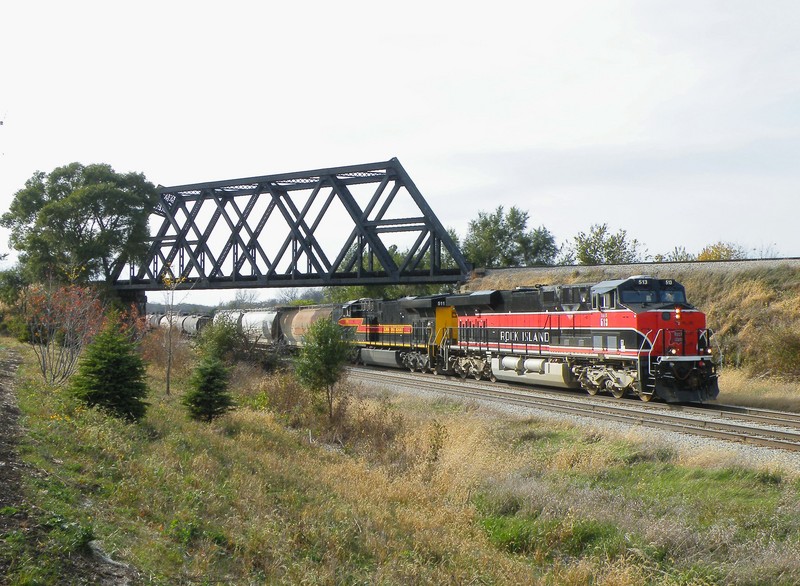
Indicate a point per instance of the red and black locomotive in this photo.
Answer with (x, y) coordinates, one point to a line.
(636, 336)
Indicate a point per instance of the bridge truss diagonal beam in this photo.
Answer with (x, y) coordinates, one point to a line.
(355, 225)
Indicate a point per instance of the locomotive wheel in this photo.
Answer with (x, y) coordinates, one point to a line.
(617, 393)
(646, 397)
(476, 374)
(592, 390)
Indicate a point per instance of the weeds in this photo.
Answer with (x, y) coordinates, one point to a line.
(415, 493)
(736, 388)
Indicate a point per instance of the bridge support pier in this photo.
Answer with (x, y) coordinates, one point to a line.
(135, 297)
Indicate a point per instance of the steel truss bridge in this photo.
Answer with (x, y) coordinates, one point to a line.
(312, 228)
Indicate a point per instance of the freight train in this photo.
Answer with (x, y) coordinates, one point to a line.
(637, 336)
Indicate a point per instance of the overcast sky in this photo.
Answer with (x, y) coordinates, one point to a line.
(678, 121)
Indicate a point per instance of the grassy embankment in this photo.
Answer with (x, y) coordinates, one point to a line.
(402, 491)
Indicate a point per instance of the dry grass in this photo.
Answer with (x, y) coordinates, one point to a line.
(737, 388)
(403, 491)
(155, 351)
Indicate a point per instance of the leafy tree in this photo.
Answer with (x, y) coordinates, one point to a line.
(677, 254)
(87, 220)
(111, 375)
(601, 247)
(722, 251)
(223, 339)
(321, 360)
(12, 283)
(501, 239)
(208, 397)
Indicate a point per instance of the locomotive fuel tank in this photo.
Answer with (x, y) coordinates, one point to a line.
(534, 371)
(376, 357)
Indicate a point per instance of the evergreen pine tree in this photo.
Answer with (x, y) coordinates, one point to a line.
(208, 397)
(111, 375)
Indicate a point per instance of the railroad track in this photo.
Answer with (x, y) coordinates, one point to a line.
(757, 427)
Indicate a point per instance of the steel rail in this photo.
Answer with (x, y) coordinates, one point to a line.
(749, 414)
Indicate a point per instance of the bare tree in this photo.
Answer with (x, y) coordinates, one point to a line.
(171, 282)
(61, 321)
(677, 254)
(288, 295)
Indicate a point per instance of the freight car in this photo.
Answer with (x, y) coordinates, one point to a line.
(283, 325)
(191, 325)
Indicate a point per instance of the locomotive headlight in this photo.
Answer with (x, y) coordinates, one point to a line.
(673, 351)
(677, 313)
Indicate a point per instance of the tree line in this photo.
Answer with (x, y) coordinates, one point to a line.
(501, 238)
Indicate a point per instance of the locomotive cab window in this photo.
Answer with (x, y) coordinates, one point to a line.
(673, 296)
(638, 296)
(647, 290)
(605, 300)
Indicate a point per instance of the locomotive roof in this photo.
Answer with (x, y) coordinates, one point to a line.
(486, 297)
(421, 301)
(605, 286)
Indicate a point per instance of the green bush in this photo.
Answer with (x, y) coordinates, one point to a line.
(111, 375)
(223, 339)
(208, 397)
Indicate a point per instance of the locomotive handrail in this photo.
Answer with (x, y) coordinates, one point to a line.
(652, 347)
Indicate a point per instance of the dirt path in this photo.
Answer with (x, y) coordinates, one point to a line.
(11, 498)
(16, 517)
